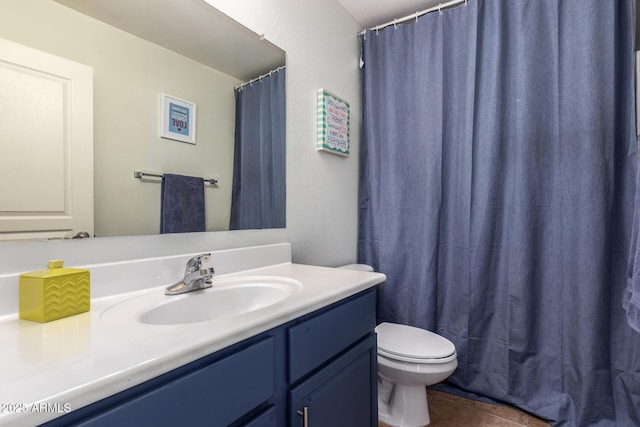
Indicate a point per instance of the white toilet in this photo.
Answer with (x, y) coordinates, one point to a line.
(409, 359)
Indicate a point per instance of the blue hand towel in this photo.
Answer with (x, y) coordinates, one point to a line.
(182, 204)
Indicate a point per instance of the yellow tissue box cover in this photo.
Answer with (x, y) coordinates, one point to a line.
(58, 292)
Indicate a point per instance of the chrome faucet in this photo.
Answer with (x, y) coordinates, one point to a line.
(195, 277)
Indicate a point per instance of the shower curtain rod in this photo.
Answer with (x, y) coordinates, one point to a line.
(416, 15)
(260, 77)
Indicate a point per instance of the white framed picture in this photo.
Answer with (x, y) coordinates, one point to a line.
(178, 119)
(333, 123)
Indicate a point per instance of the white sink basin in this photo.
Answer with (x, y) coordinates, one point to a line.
(228, 297)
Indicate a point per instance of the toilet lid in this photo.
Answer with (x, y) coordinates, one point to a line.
(410, 342)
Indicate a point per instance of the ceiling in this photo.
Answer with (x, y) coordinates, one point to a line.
(125, 14)
(370, 13)
(193, 30)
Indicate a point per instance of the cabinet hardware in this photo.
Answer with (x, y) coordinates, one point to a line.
(305, 416)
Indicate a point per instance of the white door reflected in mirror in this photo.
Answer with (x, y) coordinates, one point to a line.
(46, 130)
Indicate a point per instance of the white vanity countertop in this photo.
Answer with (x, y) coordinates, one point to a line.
(48, 369)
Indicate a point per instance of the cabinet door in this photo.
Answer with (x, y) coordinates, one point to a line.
(343, 394)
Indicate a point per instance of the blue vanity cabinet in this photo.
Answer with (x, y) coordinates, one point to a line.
(213, 391)
(320, 336)
(324, 361)
(268, 418)
(333, 367)
(342, 394)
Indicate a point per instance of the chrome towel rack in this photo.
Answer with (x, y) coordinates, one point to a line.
(140, 175)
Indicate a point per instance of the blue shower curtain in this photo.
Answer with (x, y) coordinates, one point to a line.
(258, 198)
(496, 193)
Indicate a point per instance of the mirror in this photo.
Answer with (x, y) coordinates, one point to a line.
(139, 50)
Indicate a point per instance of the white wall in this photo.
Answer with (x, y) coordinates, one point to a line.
(322, 51)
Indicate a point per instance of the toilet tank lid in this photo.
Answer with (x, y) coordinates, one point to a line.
(358, 267)
(412, 342)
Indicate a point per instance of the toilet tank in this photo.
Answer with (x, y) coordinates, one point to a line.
(358, 267)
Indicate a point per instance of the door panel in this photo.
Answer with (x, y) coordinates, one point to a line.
(46, 144)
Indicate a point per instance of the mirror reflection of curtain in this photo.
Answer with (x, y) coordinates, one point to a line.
(258, 198)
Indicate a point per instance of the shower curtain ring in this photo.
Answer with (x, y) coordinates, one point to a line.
(440, 8)
(416, 16)
(465, 3)
(395, 27)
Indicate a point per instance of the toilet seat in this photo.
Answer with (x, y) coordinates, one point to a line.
(411, 344)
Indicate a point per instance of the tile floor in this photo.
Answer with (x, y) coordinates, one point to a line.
(447, 410)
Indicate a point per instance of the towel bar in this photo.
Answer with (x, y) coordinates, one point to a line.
(139, 174)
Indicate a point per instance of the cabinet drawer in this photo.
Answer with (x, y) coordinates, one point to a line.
(216, 394)
(316, 340)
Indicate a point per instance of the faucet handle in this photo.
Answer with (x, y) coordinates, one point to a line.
(195, 263)
(203, 258)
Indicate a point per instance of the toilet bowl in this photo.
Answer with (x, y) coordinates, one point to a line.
(409, 360)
